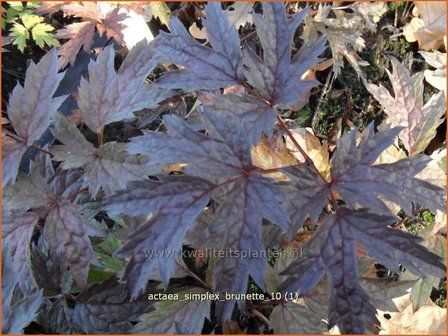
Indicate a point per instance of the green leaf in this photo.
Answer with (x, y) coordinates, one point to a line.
(105, 252)
(97, 276)
(421, 292)
(108, 246)
(19, 35)
(161, 11)
(30, 20)
(32, 5)
(42, 36)
(15, 5)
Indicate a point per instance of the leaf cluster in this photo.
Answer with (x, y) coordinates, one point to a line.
(98, 224)
(27, 25)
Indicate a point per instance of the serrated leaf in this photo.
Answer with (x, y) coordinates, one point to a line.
(41, 35)
(12, 153)
(332, 248)
(161, 11)
(48, 271)
(57, 318)
(307, 193)
(79, 35)
(170, 316)
(16, 5)
(223, 157)
(257, 118)
(277, 77)
(30, 20)
(112, 25)
(67, 234)
(360, 182)
(105, 308)
(110, 96)
(406, 109)
(18, 310)
(205, 68)
(344, 31)
(238, 224)
(30, 191)
(292, 318)
(421, 292)
(172, 206)
(17, 229)
(437, 77)
(108, 167)
(31, 106)
(370, 11)
(19, 35)
(207, 157)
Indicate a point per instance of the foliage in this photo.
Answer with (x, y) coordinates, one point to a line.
(96, 233)
(26, 24)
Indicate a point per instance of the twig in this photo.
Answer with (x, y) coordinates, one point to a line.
(328, 84)
(396, 16)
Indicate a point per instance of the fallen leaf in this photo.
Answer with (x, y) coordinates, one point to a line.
(314, 149)
(406, 108)
(429, 29)
(271, 152)
(429, 319)
(437, 77)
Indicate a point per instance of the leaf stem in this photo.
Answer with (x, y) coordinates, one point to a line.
(76, 193)
(198, 279)
(261, 316)
(100, 136)
(287, 131)
(22, 140)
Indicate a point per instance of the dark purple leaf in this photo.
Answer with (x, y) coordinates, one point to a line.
(307, 193)
(30, 109)
(360, 182)
(67, 234)
(277, 76)
(110, 95)
(333, 248)
(109, 167)
(172, 206)
(18, 309)
(257, 117)
(205, 68)
(105, 309)
(17, 229)
(238, 224)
